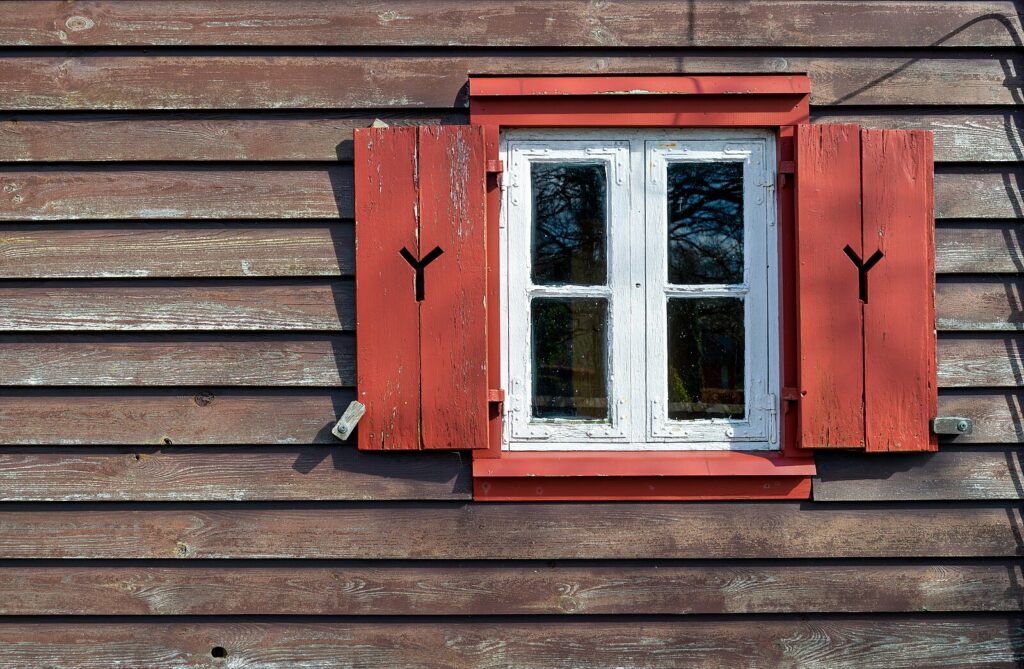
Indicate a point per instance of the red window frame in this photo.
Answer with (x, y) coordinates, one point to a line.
(774, 102)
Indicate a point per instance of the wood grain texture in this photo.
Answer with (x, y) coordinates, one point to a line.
(176, 360)
(830, 643)
(980, 304)
(979, 192)
(975, 247)
(975, 361)
(509, 531)
(988, 23)
(830, 320)
(218, 192)
(900, 389)
(236, 416)
(175, 305)
(236, 474)
(193, 192)
(998, 415)
(186, 136)
(942, 476)
(169, 250)
(357, 589)
(185, 416)
(371, 80)
(387, 311)
(961, 135)
(453, 313)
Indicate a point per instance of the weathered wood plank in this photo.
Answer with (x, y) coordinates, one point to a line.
(176, 360)
(168, 250)
(194, 192)
(235, 416)
(981, 248)
(171, 473)
(302, 191)
(548, 23)
(960, 136)
(176, 305)
(998, 416)
(269, 136)
(981, 362)
(979, 192)
(950, 475)
(509, 531)
(106, 81)
(143, 416)
(980, 304)
(994, 642)
(355, 589)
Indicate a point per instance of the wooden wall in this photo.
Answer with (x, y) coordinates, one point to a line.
(176, 338)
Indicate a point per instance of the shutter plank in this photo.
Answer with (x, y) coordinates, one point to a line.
(828, 219)
(899, 334)
(453, 313)
(387, 315)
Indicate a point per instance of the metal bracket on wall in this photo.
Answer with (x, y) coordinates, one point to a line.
(952, 425)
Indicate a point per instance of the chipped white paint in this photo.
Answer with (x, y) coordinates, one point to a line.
(636, 161)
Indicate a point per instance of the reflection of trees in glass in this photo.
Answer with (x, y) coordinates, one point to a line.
(569, 377)
(705, 358)
(569, 210)
(705, 223)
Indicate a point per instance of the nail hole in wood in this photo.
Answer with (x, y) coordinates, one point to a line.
(219, 651)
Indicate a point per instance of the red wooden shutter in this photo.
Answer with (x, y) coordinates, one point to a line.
(421, 343)
(865, 287)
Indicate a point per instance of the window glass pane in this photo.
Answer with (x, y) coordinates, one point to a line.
(705, 223)
(569, 358)
(569, 222)
(705, 358)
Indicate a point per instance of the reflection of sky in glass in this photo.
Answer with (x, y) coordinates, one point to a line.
(569, 221)
(705, 223)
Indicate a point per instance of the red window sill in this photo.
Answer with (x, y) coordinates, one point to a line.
(676, 475)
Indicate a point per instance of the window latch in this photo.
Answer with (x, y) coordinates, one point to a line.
(348, 421)
(954, 425)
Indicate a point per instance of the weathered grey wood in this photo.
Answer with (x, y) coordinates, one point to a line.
(176, 305)
(111, 192)
(979, 192)
(144, 416)
(954, 475)
(219, 192)
(510, 531)
(400, 589)
(265, 136)
(832, 643)
(173, 473)
(981, 361)
(374, 80)
(998, 415)
(167, 250)
(981, 248)
(980, 304)
(488, 23)
(972, 136)
(236, 416)
(960, 136)
(177, 360)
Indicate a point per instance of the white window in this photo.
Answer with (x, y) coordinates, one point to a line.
(640, 281)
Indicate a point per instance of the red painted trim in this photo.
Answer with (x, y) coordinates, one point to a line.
(492, 151)
(634, 86)
(643, 463)
(766, 101)
(654, 488)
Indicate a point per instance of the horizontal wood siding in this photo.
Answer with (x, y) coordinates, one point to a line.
(177, 336)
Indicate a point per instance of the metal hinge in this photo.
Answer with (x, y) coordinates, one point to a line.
(952, 425)
(496, 396)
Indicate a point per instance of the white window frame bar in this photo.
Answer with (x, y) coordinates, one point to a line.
(638, 408)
